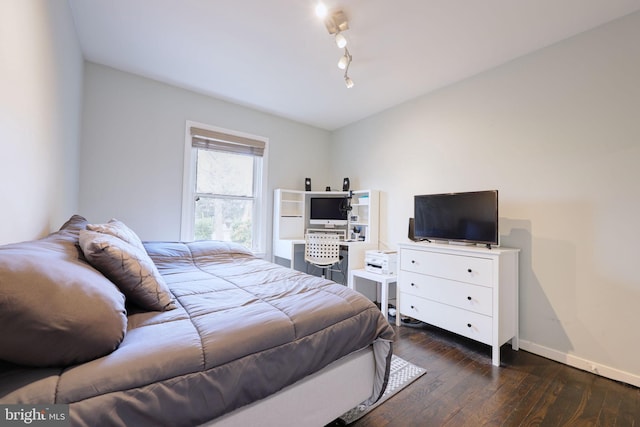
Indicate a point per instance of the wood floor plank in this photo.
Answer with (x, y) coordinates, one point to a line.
(610, 408)
(462, 388)
(628, 410)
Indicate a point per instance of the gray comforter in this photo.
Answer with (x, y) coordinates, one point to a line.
(244, 328)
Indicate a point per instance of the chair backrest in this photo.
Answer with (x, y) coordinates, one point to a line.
(322, 249)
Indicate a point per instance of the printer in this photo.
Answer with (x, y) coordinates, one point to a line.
(381, 262)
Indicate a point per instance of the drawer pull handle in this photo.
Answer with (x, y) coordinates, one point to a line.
(468, 325)
(469, 298)
(413, 307)
(413, 284)
(413, 261)
(469, 270)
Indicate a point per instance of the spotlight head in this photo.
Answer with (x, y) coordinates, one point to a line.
(341, 41)
(348, 82)
(321, 10)
(343, 62)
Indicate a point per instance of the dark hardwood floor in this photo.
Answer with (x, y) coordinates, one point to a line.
(462, 388)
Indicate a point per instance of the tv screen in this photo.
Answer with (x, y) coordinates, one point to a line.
(328, 210)
(464, 217)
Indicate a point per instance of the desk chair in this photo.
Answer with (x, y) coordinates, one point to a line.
(322, 251)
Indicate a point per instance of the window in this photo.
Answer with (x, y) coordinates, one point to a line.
(223, 187)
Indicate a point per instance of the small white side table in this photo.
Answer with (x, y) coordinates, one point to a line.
(383, 279)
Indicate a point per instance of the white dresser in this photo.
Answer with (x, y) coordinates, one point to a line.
(468, 290)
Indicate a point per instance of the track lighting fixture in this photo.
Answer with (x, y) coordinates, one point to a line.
(347, 80)
(336, 23)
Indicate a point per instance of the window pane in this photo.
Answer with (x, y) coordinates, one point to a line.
(224, 173)
(224, 219)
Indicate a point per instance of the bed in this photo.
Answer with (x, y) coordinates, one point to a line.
(224, 338)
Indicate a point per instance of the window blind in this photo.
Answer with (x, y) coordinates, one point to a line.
(220, 141)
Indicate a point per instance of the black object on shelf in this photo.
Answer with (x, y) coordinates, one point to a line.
(345, 184)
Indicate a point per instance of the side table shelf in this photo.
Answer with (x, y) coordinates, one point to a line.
(384, 280)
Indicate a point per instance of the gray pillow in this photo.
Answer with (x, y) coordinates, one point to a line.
(70, 230)
(129, 267)
(118, 229)
(55, 309)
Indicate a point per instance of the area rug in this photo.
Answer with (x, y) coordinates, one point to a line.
(402, 373)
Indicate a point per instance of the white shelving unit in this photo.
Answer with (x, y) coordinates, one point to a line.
(291, 222)
(290, 216)
(360, 214)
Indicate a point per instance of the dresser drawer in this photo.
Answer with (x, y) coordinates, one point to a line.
(462, 295)
(476, 270)
(469, 324)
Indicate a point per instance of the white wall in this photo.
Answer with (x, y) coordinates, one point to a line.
(558, 134)
(40, 107)
(133, 145)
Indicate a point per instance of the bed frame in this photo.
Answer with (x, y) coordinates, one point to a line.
(314, 400)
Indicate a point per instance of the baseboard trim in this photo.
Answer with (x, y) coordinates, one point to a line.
(580, 363)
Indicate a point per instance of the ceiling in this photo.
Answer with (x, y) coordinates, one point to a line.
(277, 56)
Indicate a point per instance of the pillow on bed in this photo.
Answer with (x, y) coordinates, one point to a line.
(55, 309)
(118, 229)
(129, 267)
(72, 228)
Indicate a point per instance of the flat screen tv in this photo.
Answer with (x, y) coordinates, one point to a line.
(328, 211)
(470, 217)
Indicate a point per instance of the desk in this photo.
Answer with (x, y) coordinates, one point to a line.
(384, 279)
(290, 253)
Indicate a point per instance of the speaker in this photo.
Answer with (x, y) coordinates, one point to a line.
(345, 184)
(307, 184)
(412, 234)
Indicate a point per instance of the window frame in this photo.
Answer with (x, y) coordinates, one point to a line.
(260, 214)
